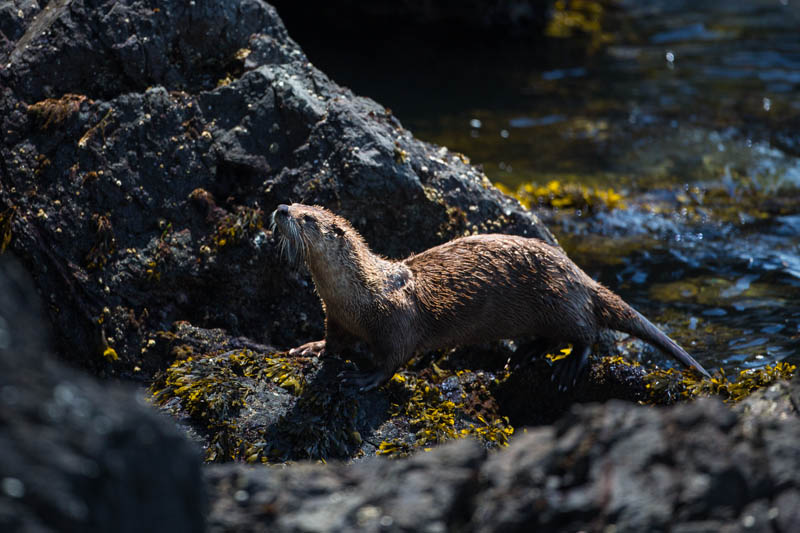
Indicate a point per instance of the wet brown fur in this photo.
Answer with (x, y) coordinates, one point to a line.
(468, 290)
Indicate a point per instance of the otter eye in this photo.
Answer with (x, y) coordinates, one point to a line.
(306, 218)
(338, 231)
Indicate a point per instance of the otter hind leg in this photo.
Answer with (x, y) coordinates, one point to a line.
(373, 377)
(568, 370)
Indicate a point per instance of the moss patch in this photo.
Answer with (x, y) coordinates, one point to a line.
(743, 202)
(667, 386)
(441, 405)
(52, 112)
(558, 195)
(210, 395)
(225, 398)
(268, 408)
(236, 226)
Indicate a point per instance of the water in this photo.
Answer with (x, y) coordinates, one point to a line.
(690, 109)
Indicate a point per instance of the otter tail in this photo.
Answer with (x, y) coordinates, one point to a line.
(615, 314)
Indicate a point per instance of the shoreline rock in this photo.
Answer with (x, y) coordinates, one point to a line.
(144, 146)
(690, 467)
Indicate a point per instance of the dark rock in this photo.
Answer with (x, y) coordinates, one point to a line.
(429, 492)
(531, 384)
(104, 49)
(78, 456)
(115, 115)
(775, 401)
(642, 469)
(692, 467)
(786, 512)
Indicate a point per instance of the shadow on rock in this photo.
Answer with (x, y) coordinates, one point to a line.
(76, 455)
(691, 467)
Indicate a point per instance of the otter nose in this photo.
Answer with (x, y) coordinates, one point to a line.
(283, 210)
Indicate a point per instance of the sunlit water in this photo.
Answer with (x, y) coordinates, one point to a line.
(688, 97)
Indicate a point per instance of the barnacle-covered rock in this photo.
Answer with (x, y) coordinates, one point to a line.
(265, 407)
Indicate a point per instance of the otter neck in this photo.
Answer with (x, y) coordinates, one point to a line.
(348, 282)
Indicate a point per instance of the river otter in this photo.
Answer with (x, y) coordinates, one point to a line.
(468, 290)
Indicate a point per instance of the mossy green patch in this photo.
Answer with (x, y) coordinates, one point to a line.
(670, 385)
(236, 226)
(593, 249)
(714, 291)
(558, 195)
(214, 389)
(737, 203)
(325, 420)
(442, 405)
(211, 395)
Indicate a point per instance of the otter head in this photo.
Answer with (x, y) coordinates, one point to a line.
(313, 235)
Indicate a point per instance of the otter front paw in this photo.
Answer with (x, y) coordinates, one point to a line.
(363, 380)
(316, 348)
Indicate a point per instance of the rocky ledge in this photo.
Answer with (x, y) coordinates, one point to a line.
(698, 467)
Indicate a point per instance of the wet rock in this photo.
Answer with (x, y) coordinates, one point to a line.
(532, 385)
(691, 467)
(76, 455)
(255, 404)
(144, 145)
(778, 400)
(642, 469)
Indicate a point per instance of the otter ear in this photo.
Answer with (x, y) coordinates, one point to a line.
(338, 231)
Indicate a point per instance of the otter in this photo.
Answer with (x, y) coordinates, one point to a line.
(469, 290)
